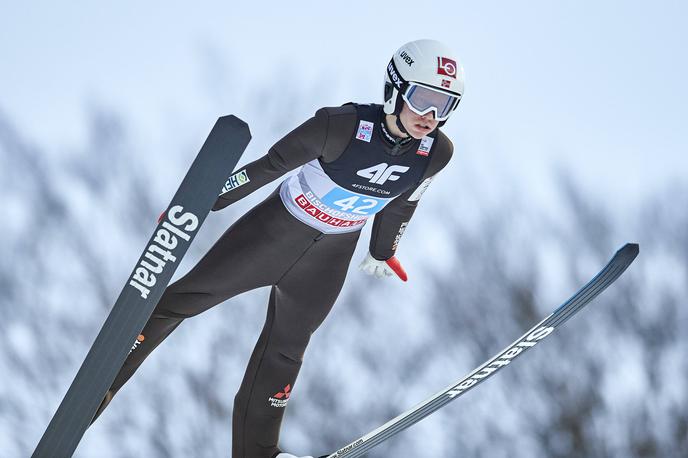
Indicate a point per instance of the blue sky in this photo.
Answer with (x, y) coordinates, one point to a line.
(596, 86)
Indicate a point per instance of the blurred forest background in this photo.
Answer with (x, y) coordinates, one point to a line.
(609, 383)
(550, 177)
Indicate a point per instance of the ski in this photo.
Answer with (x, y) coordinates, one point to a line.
(176, 229)
(613, 270)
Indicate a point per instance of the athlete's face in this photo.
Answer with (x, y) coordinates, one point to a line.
(417, 126)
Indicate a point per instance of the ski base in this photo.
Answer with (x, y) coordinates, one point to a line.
(613, 270)
(175, 231)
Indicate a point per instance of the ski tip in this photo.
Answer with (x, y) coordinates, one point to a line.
(630, 249)
(234, 122)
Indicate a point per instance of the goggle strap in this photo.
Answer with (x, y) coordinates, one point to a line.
(399, 83)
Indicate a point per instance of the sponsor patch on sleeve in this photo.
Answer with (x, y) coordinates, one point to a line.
(365, 131)
(420, 189)
(234, 181)
(402, 229)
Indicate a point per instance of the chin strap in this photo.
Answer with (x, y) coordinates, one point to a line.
(401, 126)
(396, 143)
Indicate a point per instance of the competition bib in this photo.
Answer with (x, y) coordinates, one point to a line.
(313, 198)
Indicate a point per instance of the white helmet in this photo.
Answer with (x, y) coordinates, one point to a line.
(427, 76)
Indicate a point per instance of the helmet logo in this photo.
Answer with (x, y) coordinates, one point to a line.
(406, 58)
(394, 76)
(446, 83)
(446, 66)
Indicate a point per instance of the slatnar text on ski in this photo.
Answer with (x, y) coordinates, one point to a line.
(143, 277)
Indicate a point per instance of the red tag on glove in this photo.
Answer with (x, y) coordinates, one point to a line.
(395, 265)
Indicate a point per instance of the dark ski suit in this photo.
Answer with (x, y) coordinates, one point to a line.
(299, 241)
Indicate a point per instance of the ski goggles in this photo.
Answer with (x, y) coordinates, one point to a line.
(423, 99)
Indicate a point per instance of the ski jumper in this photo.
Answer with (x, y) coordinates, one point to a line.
(299, 241)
